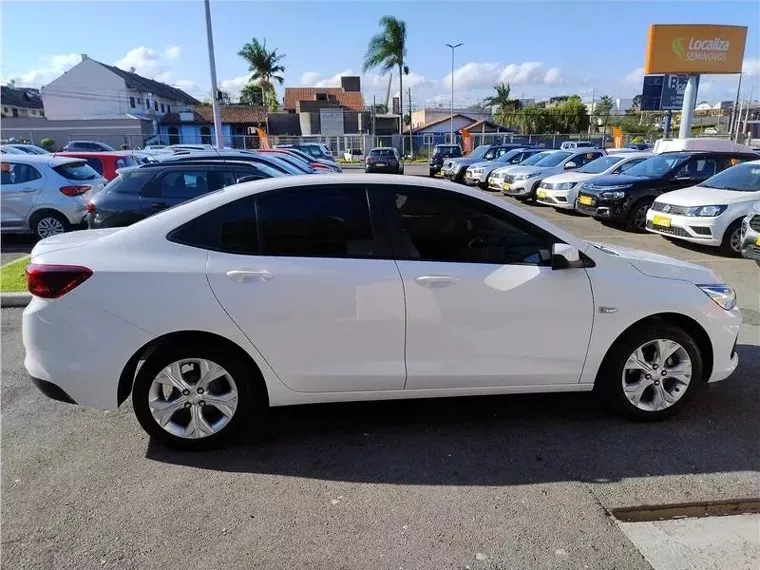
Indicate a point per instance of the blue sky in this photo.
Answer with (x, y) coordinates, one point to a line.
(542, 48)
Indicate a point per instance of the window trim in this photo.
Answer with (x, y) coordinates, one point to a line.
(400, 245)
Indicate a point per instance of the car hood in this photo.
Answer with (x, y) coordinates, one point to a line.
(702, 196)
(615, 180)
(530, 170)
(568, 177)
(505, 169)
(656, 265)
(480, 163)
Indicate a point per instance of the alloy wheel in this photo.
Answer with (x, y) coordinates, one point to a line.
(640, 217)
(735, 241)
(49, 226)
(656, 375)
(193, 398)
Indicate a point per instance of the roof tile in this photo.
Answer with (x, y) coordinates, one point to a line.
(352, 100)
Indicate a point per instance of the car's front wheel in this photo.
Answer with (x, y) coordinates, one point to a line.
(651, 372)
(732, 240)
(637, 216)
(192, 396)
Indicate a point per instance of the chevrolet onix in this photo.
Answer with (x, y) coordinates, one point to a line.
(310, 289)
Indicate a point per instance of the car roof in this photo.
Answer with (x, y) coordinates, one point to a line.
(48, 159)
(95, 153)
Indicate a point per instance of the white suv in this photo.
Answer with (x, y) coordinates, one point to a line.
(307, 289)
(711, 212)
(45, 194)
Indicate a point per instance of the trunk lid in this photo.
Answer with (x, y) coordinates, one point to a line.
(69, 240)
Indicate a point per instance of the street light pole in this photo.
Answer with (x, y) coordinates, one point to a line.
(214, 90)
(451, 120)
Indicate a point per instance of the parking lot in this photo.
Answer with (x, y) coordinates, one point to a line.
(495, 482)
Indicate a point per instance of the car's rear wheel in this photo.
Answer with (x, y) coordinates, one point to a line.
(732, 240)
(49, 223)
(192, 396)
(651, 373)
(637, 216)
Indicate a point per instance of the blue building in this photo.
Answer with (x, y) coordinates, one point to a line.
(239, 124)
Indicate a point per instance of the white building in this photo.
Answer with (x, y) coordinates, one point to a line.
(94, 90)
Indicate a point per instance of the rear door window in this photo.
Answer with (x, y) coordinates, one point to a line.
(132, 183)
(95, 164)
(183, 184)
(76, 171)
(12, 173)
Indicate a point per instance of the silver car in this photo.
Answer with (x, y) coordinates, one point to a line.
(750, 244)
(45, 194)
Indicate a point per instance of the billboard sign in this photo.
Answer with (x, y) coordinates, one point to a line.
(664, 92)
(651, 92)
(695, 49)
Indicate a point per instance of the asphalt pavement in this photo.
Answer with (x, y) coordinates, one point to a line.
(495, 482)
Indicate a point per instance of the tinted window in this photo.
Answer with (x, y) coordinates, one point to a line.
(125, 161)
(479, 152)
(657, 166)
(742, 178)
(509, 156)
(95, 164)
(554, 158)
(132, 183)
(630, 164)
(585, 158)
(448, 151)
(536, 158)
(699, 168)
(183, 184)
(316, 222)
(383, 152)
(600, 164)
(76, 171)
(443, 226)
(18, 173)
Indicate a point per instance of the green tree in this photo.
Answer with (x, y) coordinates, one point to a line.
(266, 70)
(507, 107)
(572, 115)
(387, 50)
(251, 94)
(603, 108)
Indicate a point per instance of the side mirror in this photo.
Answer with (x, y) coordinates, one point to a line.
(566, 256)
(248, 178)
(569, 165)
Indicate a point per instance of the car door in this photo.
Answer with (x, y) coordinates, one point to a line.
(583, 158)
(308, 277)
(484, 307)
(696, 169)
(20, 187)
(174, 187)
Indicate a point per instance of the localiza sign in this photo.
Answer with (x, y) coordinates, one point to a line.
(695, 49)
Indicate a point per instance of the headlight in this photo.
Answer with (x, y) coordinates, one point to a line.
(706, 211)
(565, 185)
(612, 195)
(524, 176)
(722, 294)
(477, 170)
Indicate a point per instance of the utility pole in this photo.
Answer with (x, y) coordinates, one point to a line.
(374, 123)
(593, 114)
(411, 141)
(749, 108)
(451, 120)
(214, 89)
(733, 122)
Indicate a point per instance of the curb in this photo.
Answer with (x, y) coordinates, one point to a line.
(15, 299)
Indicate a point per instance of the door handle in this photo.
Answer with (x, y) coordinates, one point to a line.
(28, 190)
(433, 281)
(244, 275)
(159, 205)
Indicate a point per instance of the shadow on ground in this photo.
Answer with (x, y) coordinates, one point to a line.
(505, 440)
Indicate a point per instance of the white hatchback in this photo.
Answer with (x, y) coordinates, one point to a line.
(309, 289)
(710, 213)
(561, 190)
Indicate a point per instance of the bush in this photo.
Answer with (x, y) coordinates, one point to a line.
(124, 147)
(47, 143)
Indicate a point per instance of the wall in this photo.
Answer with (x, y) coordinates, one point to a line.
(191, 134)
(87, 90)
(284, 124)
(444, 127)
(331, 121)
(22, 111)
(114, 132)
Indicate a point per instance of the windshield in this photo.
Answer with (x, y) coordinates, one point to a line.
(554, 159)
(741, 178)
(538, 157)
(657, 166)
(448, 151)
(600, 164)
(507, 156)
(480, 151)
(382, 152)
(76, 171)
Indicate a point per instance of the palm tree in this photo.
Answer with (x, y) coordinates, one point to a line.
(506, 105)
(264, 65)
(387, 50)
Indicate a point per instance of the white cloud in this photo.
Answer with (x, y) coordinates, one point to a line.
(333, 81)
(635, 77)
(475, 75)
(751, 66)
(50, 68)
(173, 52)
(309, 78)
(553, 76)
(145, 61)
(235, 85)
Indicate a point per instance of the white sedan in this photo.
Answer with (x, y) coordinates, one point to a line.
(711, 212)
(309, 289)
(561, 190)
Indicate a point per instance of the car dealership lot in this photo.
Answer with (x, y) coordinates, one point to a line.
(516, 482)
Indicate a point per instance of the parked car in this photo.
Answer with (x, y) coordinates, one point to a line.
(45, 194)
(561, 190)
(478, 173)
(640, 146)
(384, 159)
(354, 155)
(10, 149)
(523, 181)
(332, 288)
(291, 159)
(440, 153)
(191, 148)
(91, 146)
(315, 150)
(751, 234)
(572, 145)
(142, 191)
(317, 164)
(241, 155)
(455, 168)
(496, 178)
(626, 198)
(105, 163)
(710, 212)
(27, 148)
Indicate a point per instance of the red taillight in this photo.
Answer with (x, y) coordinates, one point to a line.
(74, 190)
(91, 208)
(53, 281)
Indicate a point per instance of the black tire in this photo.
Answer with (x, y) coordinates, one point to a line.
(42, 223)
(432, 173)
(238, 371)
(731, 237)
(637, 216)
(609, 380)
(531, 198)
